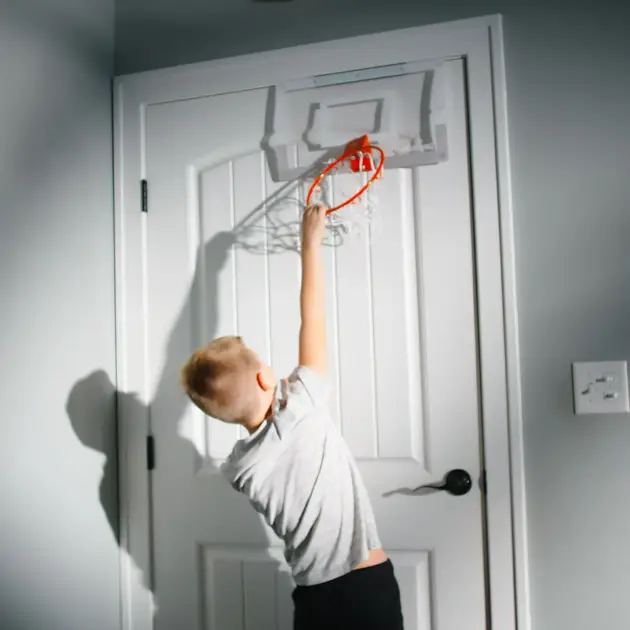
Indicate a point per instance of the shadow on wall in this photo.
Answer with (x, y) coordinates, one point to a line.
(93, 389)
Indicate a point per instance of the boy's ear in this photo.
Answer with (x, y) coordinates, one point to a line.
(266, 378)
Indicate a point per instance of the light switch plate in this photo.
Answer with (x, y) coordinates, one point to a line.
(601, 388)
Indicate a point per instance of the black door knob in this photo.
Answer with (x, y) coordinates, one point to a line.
(456, 482)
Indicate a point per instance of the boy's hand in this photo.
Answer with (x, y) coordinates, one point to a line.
(313, 224)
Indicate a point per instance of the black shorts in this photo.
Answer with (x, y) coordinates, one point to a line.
(364, 599)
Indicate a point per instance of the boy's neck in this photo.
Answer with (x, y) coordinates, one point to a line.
(253, 425)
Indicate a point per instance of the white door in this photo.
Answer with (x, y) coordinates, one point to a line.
(402, 347)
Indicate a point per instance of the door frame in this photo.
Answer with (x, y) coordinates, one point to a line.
(480, 42)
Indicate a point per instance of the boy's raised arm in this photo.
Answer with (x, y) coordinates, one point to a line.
(312, 351)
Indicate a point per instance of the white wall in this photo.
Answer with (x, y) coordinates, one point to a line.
(58, 555)
(569, 103)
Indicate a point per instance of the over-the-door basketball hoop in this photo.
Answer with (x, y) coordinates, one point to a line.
(346, 184)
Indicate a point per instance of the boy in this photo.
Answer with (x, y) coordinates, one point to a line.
(295, 467)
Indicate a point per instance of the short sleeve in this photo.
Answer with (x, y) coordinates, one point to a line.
(303, 392)
(315, 386)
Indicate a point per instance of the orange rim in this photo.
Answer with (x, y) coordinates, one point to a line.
(377, 173)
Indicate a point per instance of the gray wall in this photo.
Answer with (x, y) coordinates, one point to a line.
(58, 554)
(569, 104)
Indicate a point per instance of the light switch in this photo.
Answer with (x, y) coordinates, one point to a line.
(600, 388)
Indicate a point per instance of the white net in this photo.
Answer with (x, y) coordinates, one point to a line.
(359, 217)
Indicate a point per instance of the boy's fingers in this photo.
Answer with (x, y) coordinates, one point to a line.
(315, 208)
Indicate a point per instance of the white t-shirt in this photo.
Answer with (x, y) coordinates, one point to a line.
(299, 474)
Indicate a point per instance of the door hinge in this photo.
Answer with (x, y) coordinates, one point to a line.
(144, 194)
(150, 452)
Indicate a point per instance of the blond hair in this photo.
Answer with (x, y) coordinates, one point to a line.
(220, 379)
